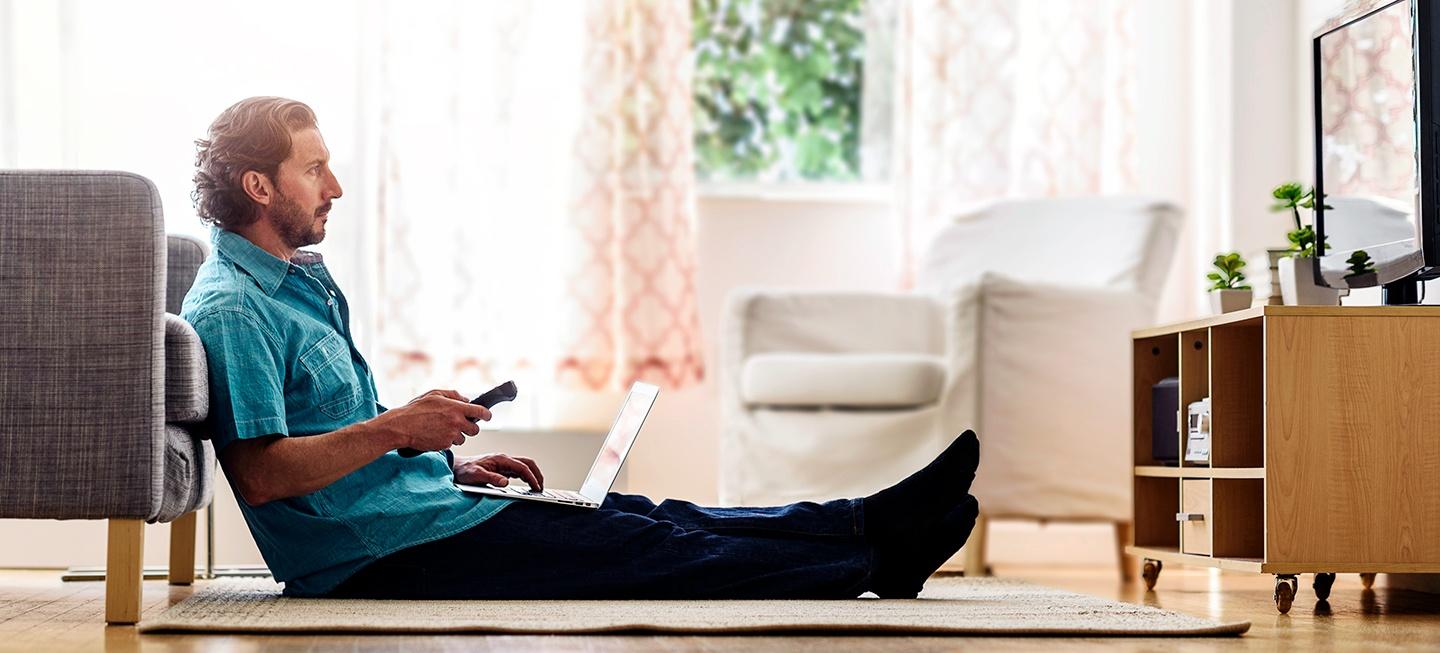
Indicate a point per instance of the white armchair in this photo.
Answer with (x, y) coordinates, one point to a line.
(1019, 328)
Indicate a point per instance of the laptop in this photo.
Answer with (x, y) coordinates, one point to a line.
(607, 463)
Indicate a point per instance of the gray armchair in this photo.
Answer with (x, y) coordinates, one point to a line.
(103, 394)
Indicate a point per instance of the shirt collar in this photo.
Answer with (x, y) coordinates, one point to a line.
(267, 269)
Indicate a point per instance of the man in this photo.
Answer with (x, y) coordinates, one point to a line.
(336, 511)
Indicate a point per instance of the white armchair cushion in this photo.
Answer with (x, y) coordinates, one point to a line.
(865, 380)
(769, 320)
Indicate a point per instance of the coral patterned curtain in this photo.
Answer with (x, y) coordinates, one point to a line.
(536, 198)
(631, 299)
(1009, 98)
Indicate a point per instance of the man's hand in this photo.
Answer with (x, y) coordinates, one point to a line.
(497, 469)
(434, 421)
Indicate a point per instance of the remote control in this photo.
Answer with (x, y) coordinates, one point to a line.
(504, 392)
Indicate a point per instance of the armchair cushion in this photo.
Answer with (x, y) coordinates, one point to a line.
(187, 394)
(866, 380)
(833, 321)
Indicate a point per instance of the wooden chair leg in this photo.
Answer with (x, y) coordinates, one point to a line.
(124, 568)
(1124, 532)
(182, 550)
(975, 549)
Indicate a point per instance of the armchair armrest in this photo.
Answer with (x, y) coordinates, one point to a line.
(82, 280)
(1054, 410)
(187, 385)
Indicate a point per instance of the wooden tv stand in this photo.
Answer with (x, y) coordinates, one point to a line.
(1325, 444)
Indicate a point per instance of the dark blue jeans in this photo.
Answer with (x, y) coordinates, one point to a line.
(631, 548)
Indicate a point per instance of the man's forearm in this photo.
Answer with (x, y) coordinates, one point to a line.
(283, 467)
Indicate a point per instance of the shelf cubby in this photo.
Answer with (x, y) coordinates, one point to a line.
(1155, 503)
(1155, 359)
(1237, 395)
(1194, 351)
(1238, 524)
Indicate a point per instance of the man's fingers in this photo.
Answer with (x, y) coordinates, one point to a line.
(514, 467)
(450, 394)
(459, 440)
(473, 412)
(469, 428)
(498, 480)
(534, 469)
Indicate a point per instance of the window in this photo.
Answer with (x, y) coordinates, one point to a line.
(778, 89)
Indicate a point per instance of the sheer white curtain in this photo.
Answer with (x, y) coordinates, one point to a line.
(512, 209)
(1009, 98)
(552, 242)
(474, 108)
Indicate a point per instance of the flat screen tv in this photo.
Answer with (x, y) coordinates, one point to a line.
(1377, 148)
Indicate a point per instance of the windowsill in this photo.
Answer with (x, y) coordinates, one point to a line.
(796, 191)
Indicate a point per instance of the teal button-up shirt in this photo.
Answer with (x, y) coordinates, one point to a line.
(282, 362)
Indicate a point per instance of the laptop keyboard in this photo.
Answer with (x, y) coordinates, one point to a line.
(562, 495)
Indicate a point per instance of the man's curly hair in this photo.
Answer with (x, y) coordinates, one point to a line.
(253, 134)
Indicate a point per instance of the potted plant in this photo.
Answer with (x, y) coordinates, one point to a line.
(1297, 271)
(1362, 270)
(1228, 290)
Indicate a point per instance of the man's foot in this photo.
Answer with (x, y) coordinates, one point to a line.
(901, 569)
(916, 503)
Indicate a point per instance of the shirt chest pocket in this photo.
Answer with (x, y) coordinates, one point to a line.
(333, 385)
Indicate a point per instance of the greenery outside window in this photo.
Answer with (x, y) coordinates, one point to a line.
(779, 91)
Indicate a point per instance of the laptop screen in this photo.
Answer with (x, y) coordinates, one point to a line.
(618, 442)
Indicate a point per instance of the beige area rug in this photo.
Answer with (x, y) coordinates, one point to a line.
(949, 606)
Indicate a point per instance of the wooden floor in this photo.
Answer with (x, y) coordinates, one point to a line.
(68, 616)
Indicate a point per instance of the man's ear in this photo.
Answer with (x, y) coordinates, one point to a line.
(257, 186)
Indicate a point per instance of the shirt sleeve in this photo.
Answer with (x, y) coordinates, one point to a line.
(247, 399)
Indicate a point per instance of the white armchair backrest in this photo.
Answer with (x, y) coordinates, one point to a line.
(1093, 242)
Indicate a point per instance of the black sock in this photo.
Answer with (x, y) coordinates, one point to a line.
(902, 568)
(916, 503)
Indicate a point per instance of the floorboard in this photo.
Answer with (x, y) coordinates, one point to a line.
(70, 616)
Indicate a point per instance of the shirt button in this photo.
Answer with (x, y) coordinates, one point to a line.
(329, 302)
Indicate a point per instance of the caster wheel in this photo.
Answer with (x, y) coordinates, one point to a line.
(1285, 593)
(1151, 572)
(1322, 585)
(1367, 580)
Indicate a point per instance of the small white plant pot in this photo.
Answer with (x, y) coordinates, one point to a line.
(1229, 301)
(1298, 287)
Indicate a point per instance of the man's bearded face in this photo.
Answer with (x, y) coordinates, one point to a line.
(297, 226)
(304, 190)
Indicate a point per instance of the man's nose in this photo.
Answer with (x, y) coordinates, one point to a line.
(334, 189)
